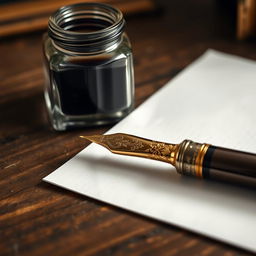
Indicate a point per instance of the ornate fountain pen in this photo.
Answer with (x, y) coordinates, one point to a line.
(188, 157)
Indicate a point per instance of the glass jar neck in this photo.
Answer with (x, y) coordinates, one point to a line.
(86, 27)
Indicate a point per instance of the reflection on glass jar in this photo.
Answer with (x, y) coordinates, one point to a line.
(88, 66)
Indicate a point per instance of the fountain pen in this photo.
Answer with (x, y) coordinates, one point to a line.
(188, 157)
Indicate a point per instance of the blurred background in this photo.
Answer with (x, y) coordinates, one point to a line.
(23, 16)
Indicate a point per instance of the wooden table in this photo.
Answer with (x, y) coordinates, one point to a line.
(40, 219)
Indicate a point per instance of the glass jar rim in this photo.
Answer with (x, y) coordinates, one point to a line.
(86, 40)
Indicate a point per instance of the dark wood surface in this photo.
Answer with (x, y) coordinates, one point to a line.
(40, 219)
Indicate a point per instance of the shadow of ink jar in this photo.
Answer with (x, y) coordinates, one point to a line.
(88, 66)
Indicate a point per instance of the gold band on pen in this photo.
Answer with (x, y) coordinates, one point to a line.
(190, 158)
(200, 159)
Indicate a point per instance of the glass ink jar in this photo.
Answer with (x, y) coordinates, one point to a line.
(88, 66)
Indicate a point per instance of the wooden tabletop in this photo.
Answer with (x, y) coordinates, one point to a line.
(40, 219)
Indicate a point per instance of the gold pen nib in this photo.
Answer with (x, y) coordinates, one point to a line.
(125, 144)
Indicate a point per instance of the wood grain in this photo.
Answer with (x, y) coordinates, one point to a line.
(246, 18)
(27, 16)
(40, 219)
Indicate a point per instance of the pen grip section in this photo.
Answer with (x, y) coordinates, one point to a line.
(229, 165)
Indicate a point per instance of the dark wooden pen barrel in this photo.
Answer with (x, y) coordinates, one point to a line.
(230, 165)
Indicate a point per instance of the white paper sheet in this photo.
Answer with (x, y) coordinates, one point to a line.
(213, 101)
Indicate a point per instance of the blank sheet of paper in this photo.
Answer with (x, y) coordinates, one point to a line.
(214, 101)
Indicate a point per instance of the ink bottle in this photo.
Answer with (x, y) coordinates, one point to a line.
(88, 66)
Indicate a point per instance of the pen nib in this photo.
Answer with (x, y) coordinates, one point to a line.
(125, 144)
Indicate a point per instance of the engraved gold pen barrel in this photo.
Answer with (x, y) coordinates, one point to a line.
(188, 157)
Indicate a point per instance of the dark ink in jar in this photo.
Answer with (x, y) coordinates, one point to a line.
(88, 64)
